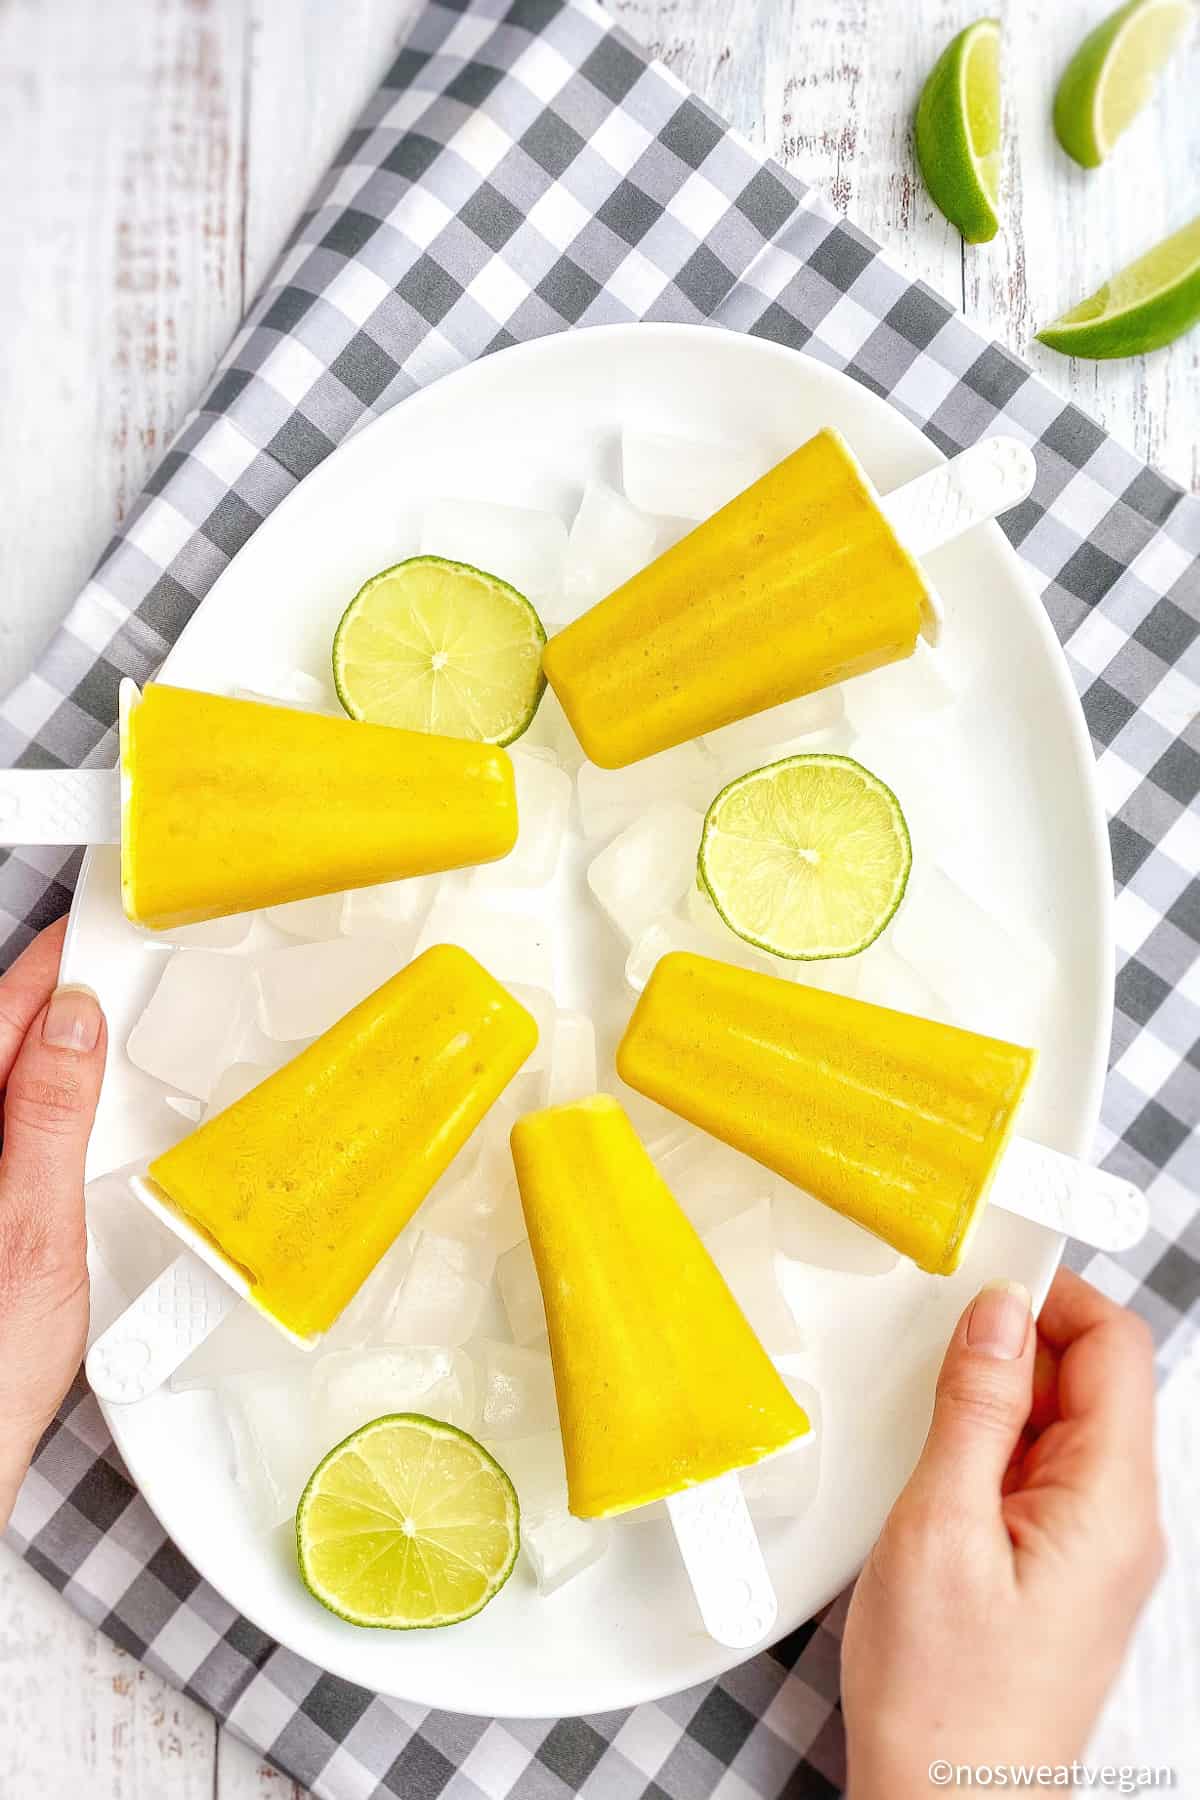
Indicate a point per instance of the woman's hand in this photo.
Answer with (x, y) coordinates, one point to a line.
(52, 1047)
(992, 1615)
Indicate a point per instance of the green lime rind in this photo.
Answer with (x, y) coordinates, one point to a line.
(384, 645)
(1078, 99)
(961, 175)
(332, 1600)
(719, 890)
(1151, 302)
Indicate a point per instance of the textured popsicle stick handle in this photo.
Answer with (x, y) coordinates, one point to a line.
(60, 806)
(724, 1561)
(166, 1322)
(1059, 1191)
(985, 480)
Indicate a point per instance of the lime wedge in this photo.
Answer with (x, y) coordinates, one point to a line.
(1149, 304)
(432, 645)
(958, 131)
(1111, 75)
(806, 858)
(407, 1523)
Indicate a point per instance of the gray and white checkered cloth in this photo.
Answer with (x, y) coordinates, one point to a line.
(524, 168)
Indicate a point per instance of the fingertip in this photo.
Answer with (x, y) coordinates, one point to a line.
(73, 1020)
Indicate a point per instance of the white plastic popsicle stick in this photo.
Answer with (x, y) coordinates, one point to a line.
(1067, 1195)
(167, 1321)
(724, 1561)
(985, 480)
(60, 806)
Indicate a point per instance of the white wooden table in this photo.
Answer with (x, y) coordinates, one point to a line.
(152, 160)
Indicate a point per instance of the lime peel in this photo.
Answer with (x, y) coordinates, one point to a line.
(807, 858)
(408, 1523)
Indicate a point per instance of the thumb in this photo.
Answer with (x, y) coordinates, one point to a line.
(984, 1394)
(49, 1105)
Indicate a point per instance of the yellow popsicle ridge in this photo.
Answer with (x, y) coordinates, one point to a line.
(894, 1121)
(305, 1182)
(797, 584)
(660, 1381)
(234, 805)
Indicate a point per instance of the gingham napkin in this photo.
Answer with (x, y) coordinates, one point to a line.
(523, 169)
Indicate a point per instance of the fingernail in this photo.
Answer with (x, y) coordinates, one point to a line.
(1000, 1319)
(72, 1019)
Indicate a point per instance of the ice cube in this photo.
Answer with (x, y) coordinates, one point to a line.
(672, 933)
(276, 1441)
(244, 1342)
(133, 1245)
(558, 1545)
(658, 1129)
(699, 911)
(610, 799)
(211, 934)
(543, 802)
(364, 1318)
(551, 731)
(902, 696)
(927, 774)
(511, 946)
(785, 1486)
(572, 1059)
(647, 868)
(517, 1392)
(992, 979)
(481, 1205)
(684, 477)
(749, 741)
(391, 909)
(540, 1002)
(516, 1277)
(885, 979)
(806, 1231)
(304, 990)
(832, 974)
(710, 1181)
(743, 1249)
(523, 547)
(191, 1029)
(233, 1084)
(352, 1387)
(438, 1301)
(316, 919)
(609, 541)
(290, 687)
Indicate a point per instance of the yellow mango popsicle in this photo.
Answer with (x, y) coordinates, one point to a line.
(304, 1182)
(230, 805)
(660, 1381)
(895, 1122)
(798, 583)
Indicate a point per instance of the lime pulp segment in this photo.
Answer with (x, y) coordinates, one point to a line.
(434, 645)
(407, 1523)
(807, 858)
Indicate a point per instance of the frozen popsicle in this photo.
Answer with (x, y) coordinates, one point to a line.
(303, 1183)
(798, 583)
(894, 1121)
(661, 1383)
(229, 805)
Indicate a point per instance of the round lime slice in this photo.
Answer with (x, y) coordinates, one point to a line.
(433, 645)
(807, 858)
(1146, 305)
(1112, 74)
(407, 1523)
(958, 131)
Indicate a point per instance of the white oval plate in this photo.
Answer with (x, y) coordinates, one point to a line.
(527, 427)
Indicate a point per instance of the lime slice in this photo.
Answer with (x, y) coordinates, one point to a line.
(1149, 304)
(958, 131)
(439, 646)
(407, 1523)
(806, 858)
(1111, 75)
